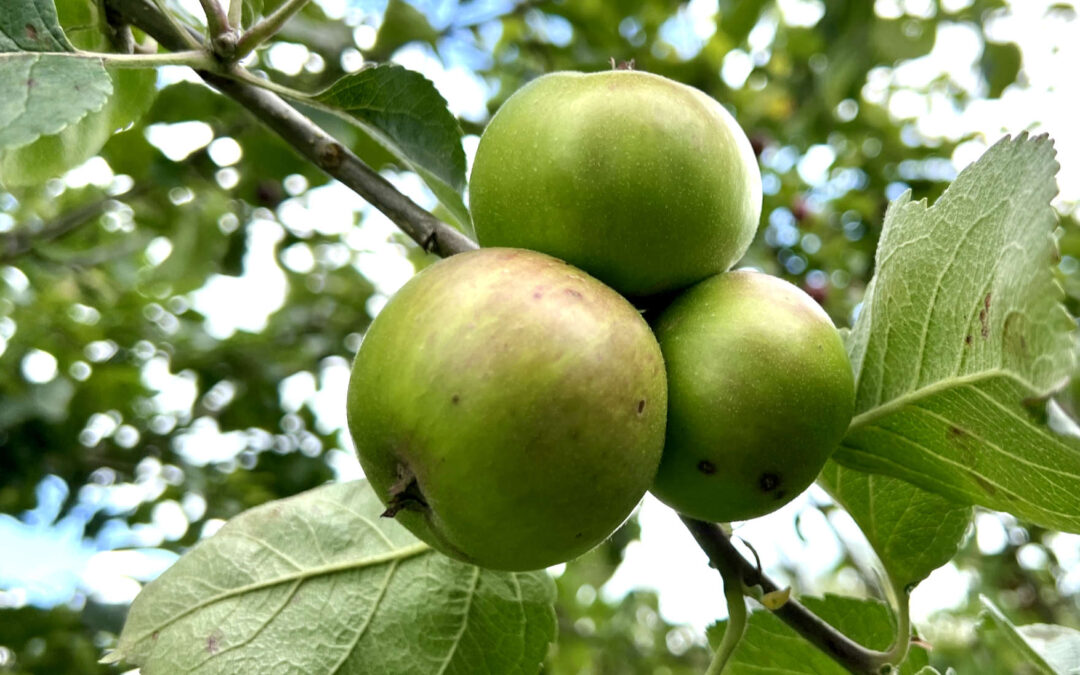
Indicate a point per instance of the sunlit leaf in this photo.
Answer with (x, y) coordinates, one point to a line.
(319, 583)
(961, 336)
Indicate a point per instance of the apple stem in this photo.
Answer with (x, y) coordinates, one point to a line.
(840, 648)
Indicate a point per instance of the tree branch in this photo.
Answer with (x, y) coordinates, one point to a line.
(267, 27)
(312, 142)
(842, 649)
(335, 159)
(15, 244)
(217, 21)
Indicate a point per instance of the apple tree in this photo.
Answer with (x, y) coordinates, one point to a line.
(954, 293)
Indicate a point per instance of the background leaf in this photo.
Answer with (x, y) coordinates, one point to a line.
(771, 646)
(1034, 652)
(402, 110)
(961, 327)
(402, 24)
(912, 531)
(318, 583)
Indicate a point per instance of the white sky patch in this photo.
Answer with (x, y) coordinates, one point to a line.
(328, 402)
(94, 171)
(801, 13)
(690, 27)
(736, 67)
(204, 443)
(177, 141)
(946, 588)
(296, 390)
(813, 166)
(344, 464)
(288, 57)
(246, 302)
(39, 367)
(225, 151)
(176, 393)
(667, 559)
(465, 92)
(56, 564)
(1042, 101)
(990, 534)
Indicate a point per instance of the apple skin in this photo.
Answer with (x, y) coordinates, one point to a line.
(509, 408)
(643, 182)
(760, 392)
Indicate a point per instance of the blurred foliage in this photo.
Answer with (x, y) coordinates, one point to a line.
(104, 277)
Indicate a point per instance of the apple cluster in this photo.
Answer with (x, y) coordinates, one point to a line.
(511, 406)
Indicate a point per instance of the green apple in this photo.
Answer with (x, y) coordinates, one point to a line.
(508, 408)
(645, 183)
(760, 392)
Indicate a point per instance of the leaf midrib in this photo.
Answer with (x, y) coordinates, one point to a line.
(893, 405)
(300, 575)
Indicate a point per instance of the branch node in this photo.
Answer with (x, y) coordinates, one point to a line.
(330, 154)
(431, 242)
(224, 46)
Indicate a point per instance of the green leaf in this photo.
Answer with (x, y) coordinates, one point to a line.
(771, 646)
(403, 111)
(31, 26)
(961, 333)
(51, 155)
(318, 583)
(1000, 65)
(80, 116)
(738, 18)
(402, 23)
(899, 39)
(1035, 643)
(42, 93)
(912, 531)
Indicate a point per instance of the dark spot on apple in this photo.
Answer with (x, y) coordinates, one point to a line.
(706, 467)
(537, 295)
(455, 399)
(579, 535)
(572, 293)
(769, 482)
(779, 494)
(641, 406)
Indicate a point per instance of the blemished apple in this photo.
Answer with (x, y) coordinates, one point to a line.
(645, 183)
(760, 392)
(508, 408)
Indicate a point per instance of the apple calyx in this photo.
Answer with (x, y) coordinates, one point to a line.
(404, 494)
